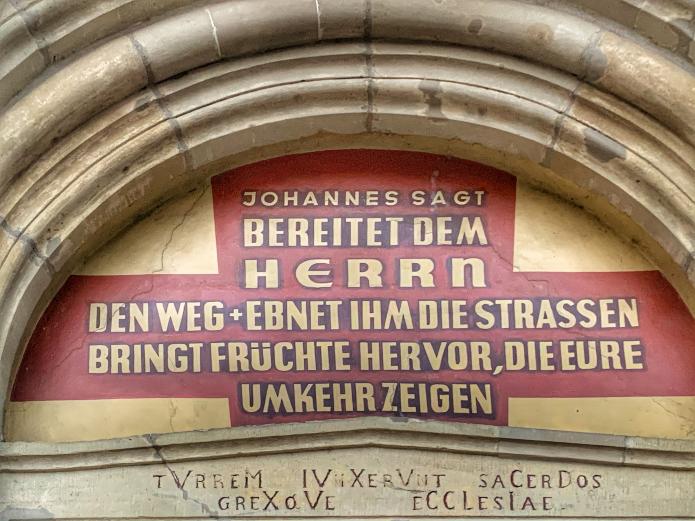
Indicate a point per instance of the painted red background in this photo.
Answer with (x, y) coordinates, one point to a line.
(55, 364)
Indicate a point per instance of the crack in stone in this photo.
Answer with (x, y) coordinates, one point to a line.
(169, 116)
(391, 485)
(143, 292)
(173, 410)
(214, 34)
(185, 215)
(20, 234)
(319, 29)
(178, 131)
(70, 353)
(151, 439)
(114, 311)
(28, 241)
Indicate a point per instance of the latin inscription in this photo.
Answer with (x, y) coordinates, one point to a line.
(420, 491)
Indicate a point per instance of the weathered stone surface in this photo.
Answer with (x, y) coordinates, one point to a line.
(80, 160)
(508, 28)
(242, 28)
(374, 468)
(178, 44)
(662, 88)
(61, 29)
(540, 32)
(22, 60)
(342, 19)
(50, 112)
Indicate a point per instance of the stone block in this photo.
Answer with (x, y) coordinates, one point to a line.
(243, 28)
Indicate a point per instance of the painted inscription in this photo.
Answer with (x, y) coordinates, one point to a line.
(364, 282)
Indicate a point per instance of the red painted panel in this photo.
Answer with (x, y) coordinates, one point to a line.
(56, 364)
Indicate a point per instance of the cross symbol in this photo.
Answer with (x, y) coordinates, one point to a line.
(53, 369)
(236, 314)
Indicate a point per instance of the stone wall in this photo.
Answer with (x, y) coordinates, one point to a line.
(111, 108)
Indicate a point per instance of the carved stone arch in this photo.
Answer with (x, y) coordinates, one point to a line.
(113, 108)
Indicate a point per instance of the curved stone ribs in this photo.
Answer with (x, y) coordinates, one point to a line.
(111, 110)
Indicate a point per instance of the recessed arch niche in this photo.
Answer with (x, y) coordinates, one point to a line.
(113, 111)
(351, 283)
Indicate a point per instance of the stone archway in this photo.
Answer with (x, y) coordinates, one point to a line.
(153, 144)
(112, 110)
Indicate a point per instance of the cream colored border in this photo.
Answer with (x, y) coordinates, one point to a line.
(177, 238)
(77, 420)
(650, 416)
(553, 235)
